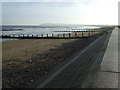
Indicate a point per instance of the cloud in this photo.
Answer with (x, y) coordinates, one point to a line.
(86, 1)
(82, 12)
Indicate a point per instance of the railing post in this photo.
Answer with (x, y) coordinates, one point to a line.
(58, 35)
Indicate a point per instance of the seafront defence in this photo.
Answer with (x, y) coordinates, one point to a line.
(76, 33)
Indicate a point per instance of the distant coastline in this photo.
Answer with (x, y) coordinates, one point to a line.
(12, 29)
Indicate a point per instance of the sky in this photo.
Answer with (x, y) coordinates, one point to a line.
(36, 12)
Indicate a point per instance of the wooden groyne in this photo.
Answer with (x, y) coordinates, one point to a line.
(83, 30)
(72, 34)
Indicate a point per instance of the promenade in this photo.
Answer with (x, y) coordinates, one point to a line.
(108, 75)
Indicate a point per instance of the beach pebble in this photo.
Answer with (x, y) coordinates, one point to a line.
(31, 80)
(12, 65)
(45, 72)
(60, 59)
(30, 61)
(39, 69)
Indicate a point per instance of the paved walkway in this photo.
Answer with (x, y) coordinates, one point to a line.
(0, 65)
(108, 75)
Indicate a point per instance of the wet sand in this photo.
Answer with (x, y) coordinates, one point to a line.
(24, 62)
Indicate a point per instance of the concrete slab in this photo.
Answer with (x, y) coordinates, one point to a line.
(107, 80)
(108, 75)
(110, 60)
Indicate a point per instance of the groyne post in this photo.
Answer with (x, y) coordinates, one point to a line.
(47, 35)
(41, 35)
(75, 34)
(52, 35)
(13, 35)
(89, 33)
(63, 35)
(69, 35)
(82, 34)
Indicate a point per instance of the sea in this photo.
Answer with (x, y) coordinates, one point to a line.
(40, 29)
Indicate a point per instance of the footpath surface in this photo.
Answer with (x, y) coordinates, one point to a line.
(108, 75)
(74, 73)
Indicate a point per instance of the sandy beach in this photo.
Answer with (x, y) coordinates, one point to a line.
(25, 62)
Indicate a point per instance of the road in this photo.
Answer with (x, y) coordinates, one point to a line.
(78, 70)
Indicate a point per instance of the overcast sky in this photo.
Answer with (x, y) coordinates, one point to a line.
(59, 11)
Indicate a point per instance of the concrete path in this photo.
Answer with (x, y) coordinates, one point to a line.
(108, 75)
(74, 73)
(0, 65)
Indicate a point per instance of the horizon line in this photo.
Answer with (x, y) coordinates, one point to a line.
(55, 24)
